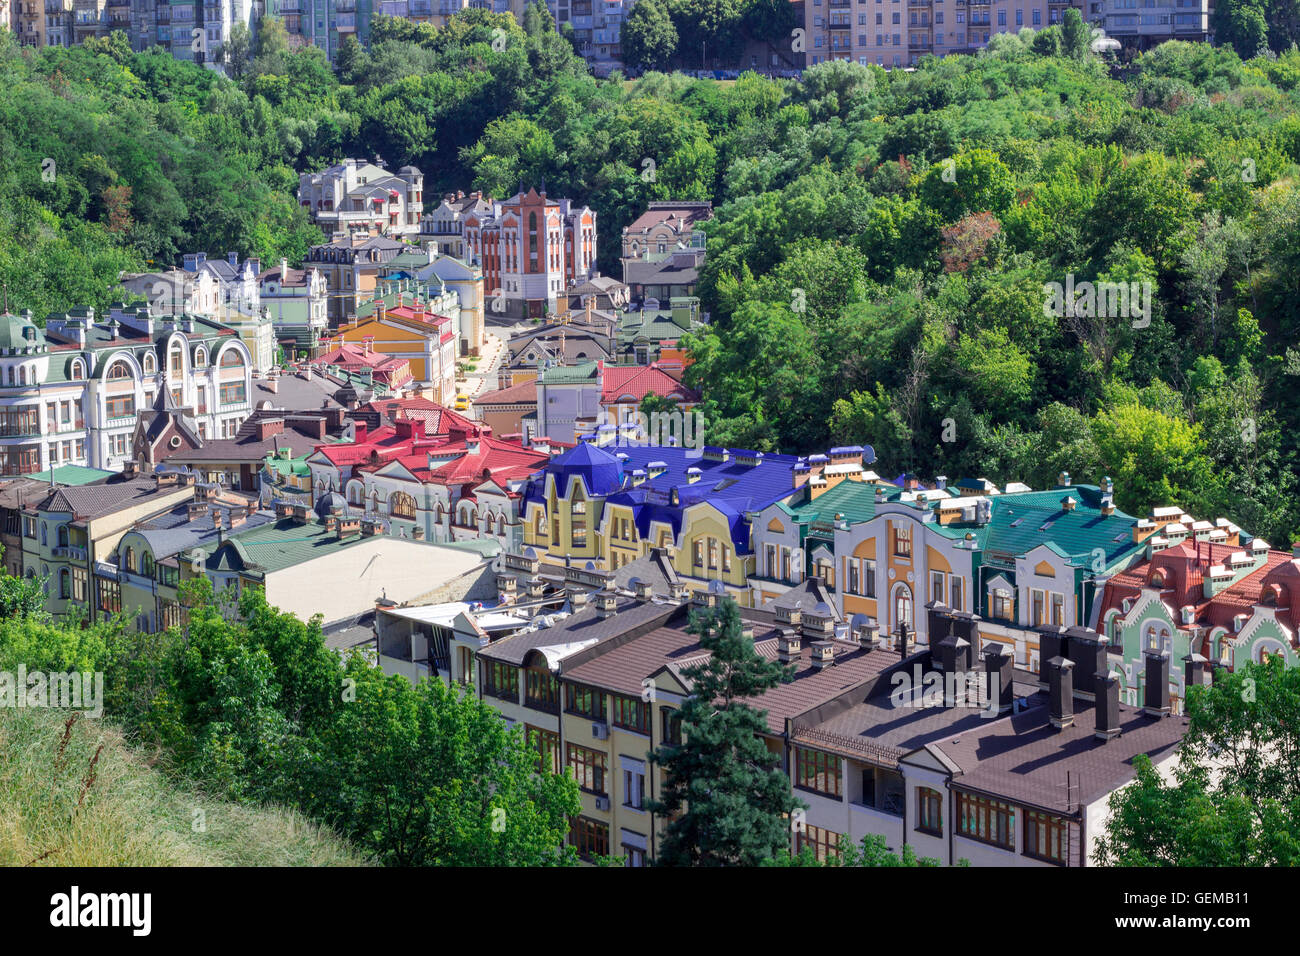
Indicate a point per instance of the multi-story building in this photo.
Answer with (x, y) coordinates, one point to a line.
(955, 778)
(576, 400)
(609, 506)
(1146, 24)
(352, 268)
(70, 534)
(1022, 562)
(296, 301)
(530, 249)
(1204, 591)
(442, 230)
(357, 199)
(410, 329)
(651, 242)
(438, 278)
(70, 392)
(897, 33)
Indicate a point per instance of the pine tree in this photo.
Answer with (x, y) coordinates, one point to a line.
(728, 796)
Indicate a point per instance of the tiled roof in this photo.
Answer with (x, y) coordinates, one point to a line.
(623, 382)
(525, 393)
(104, 497)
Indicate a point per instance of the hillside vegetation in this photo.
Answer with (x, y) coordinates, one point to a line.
(73, 793)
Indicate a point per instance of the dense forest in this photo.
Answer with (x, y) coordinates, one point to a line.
(884, 241)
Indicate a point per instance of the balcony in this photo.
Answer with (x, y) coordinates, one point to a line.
(69, 553)
(839, 26)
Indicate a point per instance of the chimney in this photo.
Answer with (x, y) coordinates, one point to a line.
(1068, 503)
(998, 665)
(266, 427)
(705, 598)
(1088, 650)
(1107, 685)
(284, 269)
(644, 591)
(823, 654)
(789, 617)
(1051, 643)
(1060, 677)
(1157, 685)
(954, 658)
(788, 647)
(577, 600)
(905, 635)
(868, 635)
(1063, 480)
(1196, 672)
(606, 604)
(818, 625)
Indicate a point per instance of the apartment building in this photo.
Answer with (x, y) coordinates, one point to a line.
(358, 199)
(351, 268)
(1020, 560)
(609, 506)
(70, 392)
(70, 534)
(597, 29)
(454, 286)
(1145, 23)
(442, 229)
(297, 303)
(1205, 594)
(897, 33)
(663, 249)
(599, 685)
(531, 249)
(412, 329)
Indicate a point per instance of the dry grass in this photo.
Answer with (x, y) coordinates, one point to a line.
(74, 793)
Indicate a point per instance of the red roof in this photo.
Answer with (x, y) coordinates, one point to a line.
(1184, 574)
(499, 460)
(522, 394)
(635, 382)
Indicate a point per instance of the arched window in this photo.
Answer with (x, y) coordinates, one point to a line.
(65, 584)
(130, 560)
(146, 565)
(1158, 578)
(118, 371)
(63, 536)
(401, 505)
(437, 512)
(150, 364)
(201, 357)
(231, 358)
(501, 525)
(539, 522)
(355, 494)
(78, 369)
(903, 605)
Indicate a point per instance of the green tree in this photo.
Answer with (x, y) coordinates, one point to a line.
(432, 776)
(725, 792)
(1234, 798)
(649, 38)
(1075, 36)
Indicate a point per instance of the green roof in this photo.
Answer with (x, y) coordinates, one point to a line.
(856, 500)
(73, 475)
(570, 374)
(285, 543)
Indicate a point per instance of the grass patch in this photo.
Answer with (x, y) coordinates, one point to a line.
(73, 792)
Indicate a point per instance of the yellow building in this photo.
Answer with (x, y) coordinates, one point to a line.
(410, 331)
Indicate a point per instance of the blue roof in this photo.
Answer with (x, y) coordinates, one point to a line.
(731, 487)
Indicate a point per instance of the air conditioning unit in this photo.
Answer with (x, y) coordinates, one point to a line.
(602, 803)
(600, 730)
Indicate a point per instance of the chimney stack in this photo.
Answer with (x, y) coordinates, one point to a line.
(868, 635)
(788, 647)
(1060, 678)
(577, 600)
(823, 654)
(1107, 687)
(1157, 685)
(998, 665)
(644, 591)
(606, 604)
(1196, 672)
